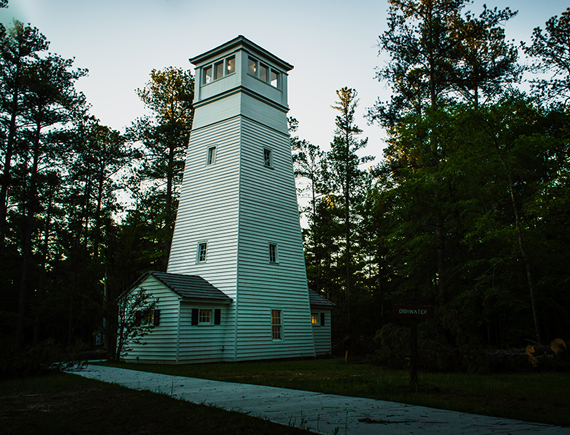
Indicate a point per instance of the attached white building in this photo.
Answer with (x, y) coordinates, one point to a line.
(236, 287)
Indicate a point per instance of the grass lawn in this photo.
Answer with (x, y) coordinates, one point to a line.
(539, 397)
(65, 404)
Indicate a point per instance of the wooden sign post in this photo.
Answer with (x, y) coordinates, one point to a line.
(415, 313)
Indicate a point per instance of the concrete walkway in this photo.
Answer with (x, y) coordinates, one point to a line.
(321, 413)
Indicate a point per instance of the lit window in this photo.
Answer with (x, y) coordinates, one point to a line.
(207, 75)
(263, 72)
(252, 66)
(274, 78)
(202, 252)
(205, 317)
(230, 65)
(273, 253)
(267, 157)
(276, 324)
(219, 70)
(211, 156)
(314, 318)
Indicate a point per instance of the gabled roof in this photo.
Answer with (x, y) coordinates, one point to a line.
(316, 300)
(190, 287)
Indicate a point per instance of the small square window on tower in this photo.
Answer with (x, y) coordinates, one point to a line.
(276, 324)
(272, 253)
(201, 254)
(267, 158)
(211, 159)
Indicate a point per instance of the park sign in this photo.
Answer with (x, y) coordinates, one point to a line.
(413, 311)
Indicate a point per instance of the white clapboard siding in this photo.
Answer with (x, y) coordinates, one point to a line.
(203, 343)
(269, 215)
(161, 344)
(322, 333)
(208, 212)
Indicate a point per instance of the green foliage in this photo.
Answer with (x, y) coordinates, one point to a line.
(164, 138)
(550, 50)
(439, 54)
(135, 320)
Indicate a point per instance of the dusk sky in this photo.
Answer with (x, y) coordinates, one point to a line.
(331, 44)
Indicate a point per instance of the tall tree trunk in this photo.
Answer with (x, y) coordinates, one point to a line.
(41, 285)
(169, 219)
(27, 241)
(526, 259)
(6, 174)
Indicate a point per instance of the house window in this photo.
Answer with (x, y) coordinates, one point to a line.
(315, 319)
(147, 317)
(230, 65)
(207, 76)
(205, 317)
(272, 253)
(202, 247)
(267, 158)
(276, 324)
(274, 78)
(211, 156)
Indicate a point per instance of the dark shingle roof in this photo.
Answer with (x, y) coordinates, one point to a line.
(191, 287)
(317, 300)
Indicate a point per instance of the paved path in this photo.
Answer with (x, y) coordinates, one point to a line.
(318, 412)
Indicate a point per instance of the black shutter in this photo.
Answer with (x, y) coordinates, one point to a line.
(217, 316)
(322, 319)
(194, 316)
(156, 317)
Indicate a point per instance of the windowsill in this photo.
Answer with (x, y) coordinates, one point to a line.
(262, 81)
(217, 80)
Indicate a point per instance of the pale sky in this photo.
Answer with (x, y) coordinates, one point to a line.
(331, 44)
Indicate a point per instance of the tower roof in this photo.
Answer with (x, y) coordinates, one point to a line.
(243, 42)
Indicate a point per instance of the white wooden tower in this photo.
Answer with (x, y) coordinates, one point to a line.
(238, 221)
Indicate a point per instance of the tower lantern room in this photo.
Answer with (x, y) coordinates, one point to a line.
(241, 70)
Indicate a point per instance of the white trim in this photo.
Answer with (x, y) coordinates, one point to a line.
(199, 251)
(211, 156)
(281, 330)
(269, 245)
(271, 157)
